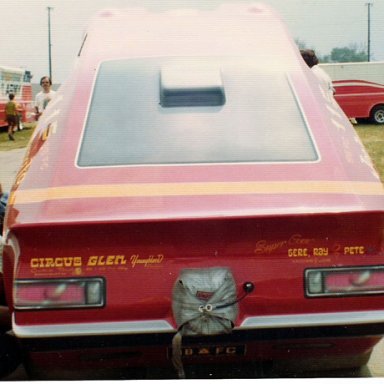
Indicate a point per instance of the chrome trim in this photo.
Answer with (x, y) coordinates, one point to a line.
(91, 329)
(163, 326)
(312, 320)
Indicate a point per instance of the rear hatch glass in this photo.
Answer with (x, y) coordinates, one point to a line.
(200, 110)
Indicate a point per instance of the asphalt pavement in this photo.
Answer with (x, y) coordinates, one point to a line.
(10, 162)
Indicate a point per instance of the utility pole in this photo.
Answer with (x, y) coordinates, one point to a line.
(49, 42)
(369, 5)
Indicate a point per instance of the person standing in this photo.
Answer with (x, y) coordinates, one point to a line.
(11, 114)
(44, 96)
(323, 78)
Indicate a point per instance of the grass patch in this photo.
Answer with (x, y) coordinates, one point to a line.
(372, 136)
(21, 137)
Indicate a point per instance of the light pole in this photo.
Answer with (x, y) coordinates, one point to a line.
(49, 42)
(369, 5)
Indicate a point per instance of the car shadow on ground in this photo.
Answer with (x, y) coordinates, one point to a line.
(243, 371)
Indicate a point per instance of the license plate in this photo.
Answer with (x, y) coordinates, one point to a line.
(216, 350)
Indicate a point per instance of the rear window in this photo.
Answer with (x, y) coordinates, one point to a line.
(185, 111)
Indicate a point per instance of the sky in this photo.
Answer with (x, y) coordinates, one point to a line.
(320, 24)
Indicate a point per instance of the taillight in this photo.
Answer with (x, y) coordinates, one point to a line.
(344, 281)
(59, 293)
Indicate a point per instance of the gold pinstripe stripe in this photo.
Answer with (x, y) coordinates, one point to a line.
(196, 189)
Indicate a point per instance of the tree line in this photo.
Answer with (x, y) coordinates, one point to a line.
(351, 53)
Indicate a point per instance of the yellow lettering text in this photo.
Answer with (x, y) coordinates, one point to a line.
(320, 252)
(109, 260)
(58, 262)
(92, 261)
(77, 262)
(120, 260)
(354, 250)
(48, 263)
(297, 252)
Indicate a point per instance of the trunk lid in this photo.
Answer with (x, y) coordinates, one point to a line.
(140, 262)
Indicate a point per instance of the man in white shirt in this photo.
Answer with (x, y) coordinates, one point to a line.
(44, 96)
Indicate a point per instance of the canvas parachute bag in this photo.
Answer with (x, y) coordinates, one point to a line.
(204, 303)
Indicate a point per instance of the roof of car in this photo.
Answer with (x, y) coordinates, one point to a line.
(231, 29)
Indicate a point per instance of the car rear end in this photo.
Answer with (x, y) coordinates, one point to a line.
(103, 292)
(234, 180)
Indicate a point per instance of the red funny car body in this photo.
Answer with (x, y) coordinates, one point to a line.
(185, 147)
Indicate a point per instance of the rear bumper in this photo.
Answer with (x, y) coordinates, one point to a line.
(237, 336)
(149, 350)
(148, 344)
(367, 321)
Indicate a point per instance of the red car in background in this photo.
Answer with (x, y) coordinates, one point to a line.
(190, 197)
(359, 89)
